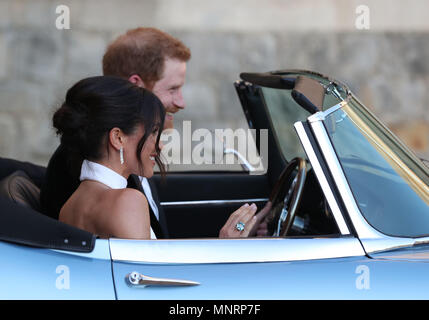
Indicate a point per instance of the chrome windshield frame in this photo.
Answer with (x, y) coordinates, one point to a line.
(371, 239)
(327, 191)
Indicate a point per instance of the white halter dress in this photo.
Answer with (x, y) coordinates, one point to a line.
(97, 172)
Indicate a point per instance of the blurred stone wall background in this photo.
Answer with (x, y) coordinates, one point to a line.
(387, 65)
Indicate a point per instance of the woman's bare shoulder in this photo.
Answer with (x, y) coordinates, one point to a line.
(129, 214)
(129, 199)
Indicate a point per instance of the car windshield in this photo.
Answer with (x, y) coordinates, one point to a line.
(284, 112)
(390, 184)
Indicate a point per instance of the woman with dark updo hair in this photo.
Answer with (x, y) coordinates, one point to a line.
(111, 129)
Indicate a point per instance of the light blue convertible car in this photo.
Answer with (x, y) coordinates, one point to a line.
(350, 215)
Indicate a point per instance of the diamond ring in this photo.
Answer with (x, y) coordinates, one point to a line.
(240, 226)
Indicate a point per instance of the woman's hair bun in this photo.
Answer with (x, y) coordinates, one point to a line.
(71, 123)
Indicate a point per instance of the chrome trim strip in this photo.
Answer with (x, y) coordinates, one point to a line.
(336, 211)
(422, 240)
(334, 108)
(214, 202)
(201, 251)
(321, 115)
(386, 243)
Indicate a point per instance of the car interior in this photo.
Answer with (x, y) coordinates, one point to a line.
(198, 203)
(193, 215)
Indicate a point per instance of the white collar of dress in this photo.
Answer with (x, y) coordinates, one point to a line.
(97, 172)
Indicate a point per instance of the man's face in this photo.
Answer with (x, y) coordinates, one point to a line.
(169, 89)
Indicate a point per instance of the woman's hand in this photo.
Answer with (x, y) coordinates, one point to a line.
(260, 228)
(240, 222)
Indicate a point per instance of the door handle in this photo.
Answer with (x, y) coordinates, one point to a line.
(137, 279)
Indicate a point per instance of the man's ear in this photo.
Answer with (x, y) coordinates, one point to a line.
(135, 79)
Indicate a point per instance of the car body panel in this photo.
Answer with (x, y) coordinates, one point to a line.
(343, 278)
(37, 274)
(296, 268)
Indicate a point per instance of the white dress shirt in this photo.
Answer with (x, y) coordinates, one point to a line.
(148, 193)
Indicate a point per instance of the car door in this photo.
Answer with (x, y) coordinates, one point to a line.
(290, 268)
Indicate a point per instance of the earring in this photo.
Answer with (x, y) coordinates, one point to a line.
(121, 155)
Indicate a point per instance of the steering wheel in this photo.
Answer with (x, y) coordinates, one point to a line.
(285, 200)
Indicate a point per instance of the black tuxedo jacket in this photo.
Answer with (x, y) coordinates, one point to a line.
(61, 181)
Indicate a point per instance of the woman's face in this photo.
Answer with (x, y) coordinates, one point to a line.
(147, 155)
